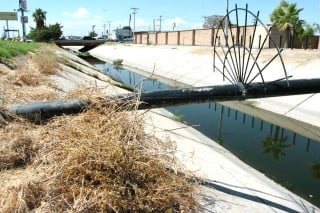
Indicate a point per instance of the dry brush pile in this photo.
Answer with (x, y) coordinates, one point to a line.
(96, 161)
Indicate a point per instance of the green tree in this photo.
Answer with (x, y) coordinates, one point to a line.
(39, 17)
(93, 34)
(43, 33)
(46, 33)
(286, 18)
(55, 31)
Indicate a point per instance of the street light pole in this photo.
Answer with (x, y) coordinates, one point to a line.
(134, 21)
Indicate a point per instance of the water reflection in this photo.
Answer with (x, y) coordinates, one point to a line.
(315, 167)
(275, 144)
(220, 141)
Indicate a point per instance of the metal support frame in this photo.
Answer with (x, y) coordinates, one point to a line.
(236, 60)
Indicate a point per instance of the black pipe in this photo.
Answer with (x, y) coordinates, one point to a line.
(283, 88)
(40, 111)
(165, 98)
(43, 110)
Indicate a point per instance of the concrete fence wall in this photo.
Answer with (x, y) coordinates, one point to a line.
(206, 37)
(186, 37)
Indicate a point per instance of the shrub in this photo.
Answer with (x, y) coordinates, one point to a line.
(117, 62)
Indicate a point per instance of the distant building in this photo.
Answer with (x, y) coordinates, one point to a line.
(123, 33)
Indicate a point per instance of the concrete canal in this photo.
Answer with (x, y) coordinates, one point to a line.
(290, 159)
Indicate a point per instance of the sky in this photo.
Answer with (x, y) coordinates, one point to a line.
(79, 16)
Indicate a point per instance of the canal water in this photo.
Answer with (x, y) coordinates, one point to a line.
(288, 158)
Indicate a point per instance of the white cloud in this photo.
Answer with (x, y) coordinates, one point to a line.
(180, 24)
(176, 20)
(80, 22)
(80, 12)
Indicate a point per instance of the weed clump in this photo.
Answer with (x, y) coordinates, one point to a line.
(46, 61)
(118, 62)
(17, 147)
(102, 161)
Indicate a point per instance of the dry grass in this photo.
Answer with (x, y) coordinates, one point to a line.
(16, 146)
(28, 81)
(100, 161)
(97, 161)
(46, 61)
(28, 78)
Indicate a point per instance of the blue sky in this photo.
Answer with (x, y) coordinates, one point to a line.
(78, 16)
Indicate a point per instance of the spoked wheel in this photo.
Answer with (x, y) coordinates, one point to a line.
(239, 47)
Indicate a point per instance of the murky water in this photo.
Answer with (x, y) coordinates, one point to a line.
(290, 159)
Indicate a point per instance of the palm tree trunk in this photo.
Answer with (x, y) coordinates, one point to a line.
(286, 39)
(291, 37)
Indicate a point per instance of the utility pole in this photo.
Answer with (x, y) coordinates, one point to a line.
(160, 19)
(109, 22)
(104, 29)
(134, 21)
(93, 33)
(154, 25)
(22, 9)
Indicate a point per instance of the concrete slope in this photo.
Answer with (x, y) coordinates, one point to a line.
(232, 186)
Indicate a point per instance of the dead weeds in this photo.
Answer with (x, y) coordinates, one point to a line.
(97, 161)
(28, 81)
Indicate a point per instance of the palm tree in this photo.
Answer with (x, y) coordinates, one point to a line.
(304, 33)
(39, 16)
(286, 18)
(275, 145)
(315, 166)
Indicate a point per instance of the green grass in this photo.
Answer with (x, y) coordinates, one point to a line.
(10, 49)
(179, 117)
